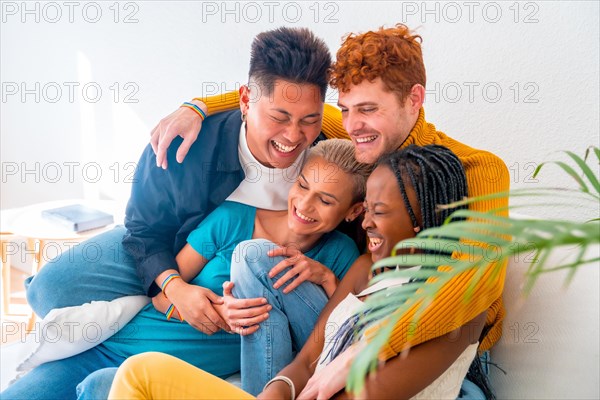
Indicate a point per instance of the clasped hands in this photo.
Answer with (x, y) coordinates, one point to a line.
(208, 312)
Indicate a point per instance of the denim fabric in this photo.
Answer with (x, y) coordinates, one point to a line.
(469, 390)
(59, 379)
(97, 269)
(96, 385)
(290, 323)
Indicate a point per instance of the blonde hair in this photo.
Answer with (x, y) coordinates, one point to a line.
(340, 152)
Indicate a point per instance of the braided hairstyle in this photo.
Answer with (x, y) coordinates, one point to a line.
(437, 177)
(435, 174)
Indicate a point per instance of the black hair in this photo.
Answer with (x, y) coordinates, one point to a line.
(438, 177)
(295, 55)
(435, 174)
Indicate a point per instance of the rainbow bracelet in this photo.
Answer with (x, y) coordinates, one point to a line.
(168, 280)
(170, 312)
(197, 109)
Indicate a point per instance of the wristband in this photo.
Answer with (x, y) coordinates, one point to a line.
(286, 380)
(197, 109)
(170, 312)
(168, 280)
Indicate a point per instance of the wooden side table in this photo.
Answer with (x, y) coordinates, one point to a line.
(5, 238)
(39, 232)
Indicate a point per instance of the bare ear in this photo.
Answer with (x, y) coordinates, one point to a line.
(244, 98)
(354, 211)
(416, 98)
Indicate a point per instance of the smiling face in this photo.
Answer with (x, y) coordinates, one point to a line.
(386, 219)
(281, 125)
(376, 120)
(320, 199)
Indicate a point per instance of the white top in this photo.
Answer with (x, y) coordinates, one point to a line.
(446, 386)
(264, 187)
(346, 309)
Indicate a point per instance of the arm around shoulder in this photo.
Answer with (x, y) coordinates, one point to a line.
(221, 102)
(332, 123)
(487, 174)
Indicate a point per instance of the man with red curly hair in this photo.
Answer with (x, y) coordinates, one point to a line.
(381, 80)
(380, 76)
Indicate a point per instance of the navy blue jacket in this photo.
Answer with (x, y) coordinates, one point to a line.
(166, 205)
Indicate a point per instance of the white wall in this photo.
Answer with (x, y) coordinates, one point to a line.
(547, 52)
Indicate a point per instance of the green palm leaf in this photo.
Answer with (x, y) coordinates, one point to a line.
(587, 171)
(481, 238)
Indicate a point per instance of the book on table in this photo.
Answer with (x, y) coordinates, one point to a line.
(78, 217)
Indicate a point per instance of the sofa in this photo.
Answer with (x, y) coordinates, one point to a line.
(550, 343)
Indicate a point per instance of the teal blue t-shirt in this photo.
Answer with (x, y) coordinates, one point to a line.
(215, 238)
(231, 223)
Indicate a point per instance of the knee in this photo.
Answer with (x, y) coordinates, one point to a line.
(43, 290)
(143, 361)
(33, 293)
(96, 385)
(250, 259)
(140, 370)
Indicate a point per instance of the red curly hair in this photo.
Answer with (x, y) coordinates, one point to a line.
(392, 54)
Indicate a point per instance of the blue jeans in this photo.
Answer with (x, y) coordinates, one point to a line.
(272, 347)
(97, 269)
(290, 323)
(66, 379)
(469, 390)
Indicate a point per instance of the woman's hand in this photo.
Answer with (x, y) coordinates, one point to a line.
(182, 122)
(196, 305)
(331, 379)
(303, 269)
(243, 315)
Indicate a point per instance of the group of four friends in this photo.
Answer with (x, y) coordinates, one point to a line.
(237, 237)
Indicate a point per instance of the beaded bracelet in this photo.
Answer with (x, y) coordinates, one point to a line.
(197, 109)
(168, 280)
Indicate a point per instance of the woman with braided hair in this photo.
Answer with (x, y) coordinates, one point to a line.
(403, 193)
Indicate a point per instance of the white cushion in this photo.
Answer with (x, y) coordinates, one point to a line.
(68, 331)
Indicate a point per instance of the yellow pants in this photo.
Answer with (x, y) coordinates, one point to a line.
(161, 376)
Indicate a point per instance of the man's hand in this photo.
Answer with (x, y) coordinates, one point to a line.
(196, 305)
(182, 122)
(243, 315)
(303, 268)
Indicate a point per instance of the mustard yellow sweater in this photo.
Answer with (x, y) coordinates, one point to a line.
(486, 174)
